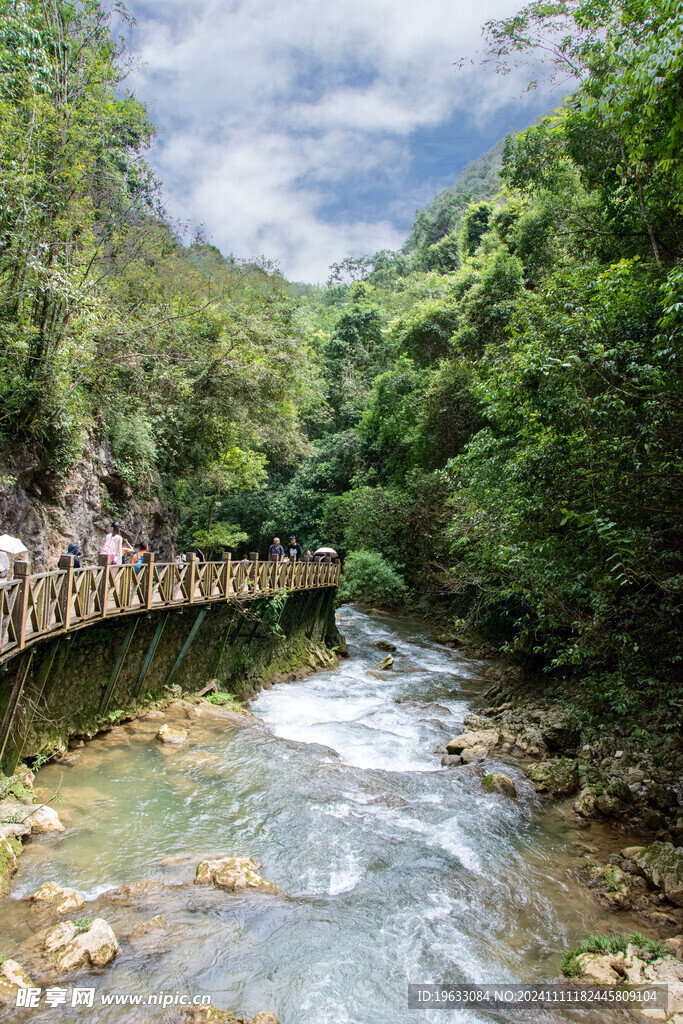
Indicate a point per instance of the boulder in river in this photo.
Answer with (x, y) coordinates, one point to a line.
(478, 738)
(9, 847)
(212, 1015)
(233, 873)
(584, 805)
(18, 818)
(155, 924)
(600, 970)
(73, 948)
(499, 783)
(451, 760)
(471, 755)
(61, 900)
(384, 664)
(675, 946)
(662, 866)
(385, 645)
(12, 978)
(558, 776)
(171, 734)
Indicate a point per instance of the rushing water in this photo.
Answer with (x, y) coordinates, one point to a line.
(395, 869)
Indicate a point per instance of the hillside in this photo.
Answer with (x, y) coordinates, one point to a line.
(479, 180)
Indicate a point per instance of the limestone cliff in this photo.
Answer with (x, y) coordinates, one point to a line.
(48, 511)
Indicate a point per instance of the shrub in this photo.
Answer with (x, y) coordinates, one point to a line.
(370, 578)
(595, 942)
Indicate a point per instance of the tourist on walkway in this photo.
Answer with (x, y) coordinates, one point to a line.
(294, 549)
(138, 559)
(75, 552)
(115, 546)
(276, 550)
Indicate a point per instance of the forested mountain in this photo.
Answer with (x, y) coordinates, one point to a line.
(479, 180)
(490, 417)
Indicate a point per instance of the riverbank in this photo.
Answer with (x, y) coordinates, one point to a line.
(614, 771)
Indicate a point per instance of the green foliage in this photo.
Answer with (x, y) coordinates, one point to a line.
(226, 700)
(83, 924)
(444, 255)
(133, 446)
(601, 944)
(367, 576)
(221, 536)
(474, 227)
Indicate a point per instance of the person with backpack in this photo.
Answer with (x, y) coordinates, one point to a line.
(115, 546)
(138, 560)
(75, 552)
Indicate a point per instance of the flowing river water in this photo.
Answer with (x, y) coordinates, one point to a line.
(394, 869)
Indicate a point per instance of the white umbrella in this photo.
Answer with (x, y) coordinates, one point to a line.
(11, 548)
(12, 545)
(325, 551)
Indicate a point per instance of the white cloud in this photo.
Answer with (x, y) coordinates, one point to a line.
(275, 112)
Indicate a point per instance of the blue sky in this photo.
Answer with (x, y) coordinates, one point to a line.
(305, 130)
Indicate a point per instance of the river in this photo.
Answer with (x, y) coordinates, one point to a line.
(395, 870)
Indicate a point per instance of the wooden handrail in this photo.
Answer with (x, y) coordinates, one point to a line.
(53, 603)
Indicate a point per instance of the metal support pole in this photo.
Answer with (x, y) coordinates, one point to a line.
(15, 750)
(188, 643)
(13, 700)
(151, 652)
(113, 679)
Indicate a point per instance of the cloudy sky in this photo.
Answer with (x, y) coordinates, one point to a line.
(310, 130)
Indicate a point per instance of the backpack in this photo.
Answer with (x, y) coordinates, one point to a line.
(109, 548)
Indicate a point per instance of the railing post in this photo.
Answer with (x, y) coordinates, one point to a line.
(226, 558)
(190, 575)
(66, 562)
(22, 572)
(253, 557)
(148, 562)
(103, 560)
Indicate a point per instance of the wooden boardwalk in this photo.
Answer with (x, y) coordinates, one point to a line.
(52, 603)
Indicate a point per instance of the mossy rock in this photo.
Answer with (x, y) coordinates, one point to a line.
(499, 783)
(557, 775)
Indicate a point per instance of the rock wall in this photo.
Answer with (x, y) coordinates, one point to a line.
(48, 511)
(69, 691)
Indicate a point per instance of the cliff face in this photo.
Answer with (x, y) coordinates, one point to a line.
(47, 511)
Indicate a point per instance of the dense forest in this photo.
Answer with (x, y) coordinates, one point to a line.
(487, 421)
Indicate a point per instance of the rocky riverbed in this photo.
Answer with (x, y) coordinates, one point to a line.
(314, 855)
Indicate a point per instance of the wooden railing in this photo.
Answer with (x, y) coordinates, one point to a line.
(32, 607)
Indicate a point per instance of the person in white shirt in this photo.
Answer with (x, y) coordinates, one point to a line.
(116, 546)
